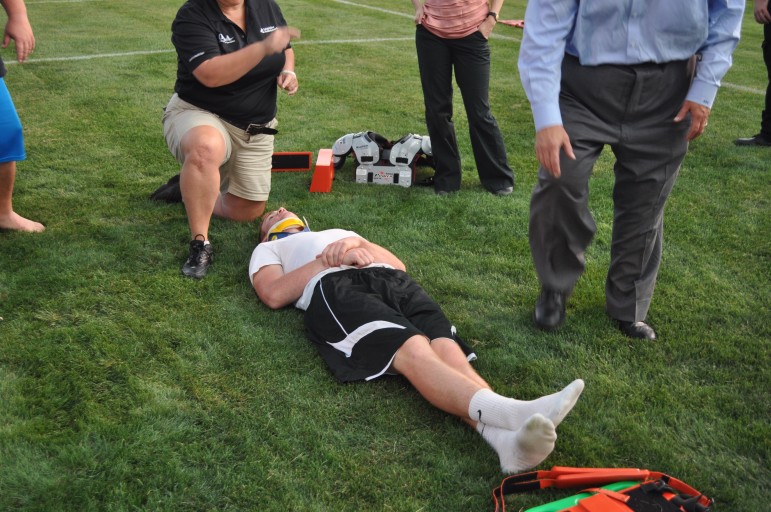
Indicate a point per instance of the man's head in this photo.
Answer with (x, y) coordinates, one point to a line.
(280, 222)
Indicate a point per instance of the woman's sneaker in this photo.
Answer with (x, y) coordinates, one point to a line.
(199, 258)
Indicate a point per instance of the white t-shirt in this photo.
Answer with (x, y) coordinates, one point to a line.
(294, 251)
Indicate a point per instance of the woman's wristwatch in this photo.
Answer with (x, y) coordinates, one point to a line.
(493, 14)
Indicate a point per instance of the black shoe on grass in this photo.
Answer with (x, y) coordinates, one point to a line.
(169, 192)
(200, 257)
(755, 140)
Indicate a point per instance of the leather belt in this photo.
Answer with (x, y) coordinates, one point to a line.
(254, 129)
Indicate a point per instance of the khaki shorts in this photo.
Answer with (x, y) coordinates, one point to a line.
(245, 171)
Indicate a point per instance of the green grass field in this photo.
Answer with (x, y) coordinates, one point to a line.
(124, 386)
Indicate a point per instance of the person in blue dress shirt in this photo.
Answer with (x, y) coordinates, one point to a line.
(639, 76)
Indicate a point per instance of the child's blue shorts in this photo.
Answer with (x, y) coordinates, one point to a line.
(11, 136)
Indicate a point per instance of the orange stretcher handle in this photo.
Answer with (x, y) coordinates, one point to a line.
(600, 477)
(555, 471)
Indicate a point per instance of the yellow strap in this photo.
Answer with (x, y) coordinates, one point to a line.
(280, 226)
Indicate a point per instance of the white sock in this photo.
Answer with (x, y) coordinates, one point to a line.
(523, 449)
(490, 408)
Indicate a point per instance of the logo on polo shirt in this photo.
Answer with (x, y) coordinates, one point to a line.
(226, 39)
(265, 30)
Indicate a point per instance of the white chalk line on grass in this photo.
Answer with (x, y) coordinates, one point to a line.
(743, 88)
(373, 8)
(60, 2)
(89, 57)
(356, 41)
(152, 52)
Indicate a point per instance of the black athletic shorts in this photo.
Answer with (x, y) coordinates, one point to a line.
(359, 318)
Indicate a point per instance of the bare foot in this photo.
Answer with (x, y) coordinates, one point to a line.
(16, 222)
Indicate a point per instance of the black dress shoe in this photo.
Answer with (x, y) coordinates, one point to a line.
(755, 140)
(549, 309)
(637, 330)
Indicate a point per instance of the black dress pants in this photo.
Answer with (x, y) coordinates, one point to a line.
(469, 57)
(765, 124)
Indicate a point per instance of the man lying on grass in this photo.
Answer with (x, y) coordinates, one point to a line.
(368, 318)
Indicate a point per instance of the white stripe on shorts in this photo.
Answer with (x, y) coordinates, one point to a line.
(351, 339)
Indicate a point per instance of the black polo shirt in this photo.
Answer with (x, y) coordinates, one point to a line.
(200, 32)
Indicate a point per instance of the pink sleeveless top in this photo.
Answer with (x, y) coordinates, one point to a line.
(453, 19)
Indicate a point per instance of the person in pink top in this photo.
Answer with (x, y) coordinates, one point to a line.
(451, 35)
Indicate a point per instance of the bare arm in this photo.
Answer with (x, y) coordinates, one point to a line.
(418, 5)
(287, 79)
(354, 250)
(761, 13)
(487, 26)
(18, 28)
(496, 6)
(277, 289)
(226, 69)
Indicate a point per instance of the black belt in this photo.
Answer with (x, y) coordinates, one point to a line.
(254, 129)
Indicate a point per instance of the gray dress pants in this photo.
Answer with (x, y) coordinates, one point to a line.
(631, 109)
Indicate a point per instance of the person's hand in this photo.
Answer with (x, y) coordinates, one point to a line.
(762, 15)
(358, 257)
(549, 142)
(19, 29)
(277, 41)
(486, 28)
(287, 80)
(419, 14)
(699, 116)
(334, 254)
(513, 23)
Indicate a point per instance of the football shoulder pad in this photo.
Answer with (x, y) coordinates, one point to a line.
(343, 146)
(406, 150)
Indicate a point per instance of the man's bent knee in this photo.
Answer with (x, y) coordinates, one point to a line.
(238, 209)
(203, 147)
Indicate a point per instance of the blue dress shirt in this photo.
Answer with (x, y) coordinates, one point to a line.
(625, 32)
